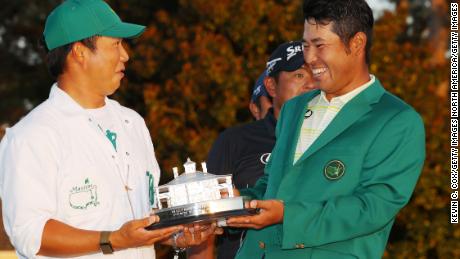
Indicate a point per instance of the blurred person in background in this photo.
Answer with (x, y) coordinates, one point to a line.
(261, 101)
(243, 151)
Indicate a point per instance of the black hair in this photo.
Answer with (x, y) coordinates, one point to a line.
(348, 16)
(55, 59)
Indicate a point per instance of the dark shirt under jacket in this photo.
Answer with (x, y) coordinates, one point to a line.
(241, 151)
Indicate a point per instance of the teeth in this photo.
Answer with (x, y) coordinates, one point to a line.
(317, 71)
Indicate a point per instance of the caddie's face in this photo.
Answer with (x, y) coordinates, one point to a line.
(106, 65)
(331, 62)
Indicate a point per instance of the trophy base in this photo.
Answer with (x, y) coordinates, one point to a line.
(202, 212)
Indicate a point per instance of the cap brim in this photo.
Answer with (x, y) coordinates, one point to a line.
(294, 64)
(124, 30)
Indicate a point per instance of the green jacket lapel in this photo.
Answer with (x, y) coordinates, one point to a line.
(349, 114)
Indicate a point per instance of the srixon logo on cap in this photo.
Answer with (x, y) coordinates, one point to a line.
(292, 51)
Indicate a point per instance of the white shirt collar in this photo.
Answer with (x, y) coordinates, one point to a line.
(343, 99)
(66, 103)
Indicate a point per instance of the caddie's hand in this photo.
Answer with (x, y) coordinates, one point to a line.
(196, 234)
(134, 234)
(271, 212)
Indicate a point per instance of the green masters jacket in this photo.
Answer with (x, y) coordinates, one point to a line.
(342, 195)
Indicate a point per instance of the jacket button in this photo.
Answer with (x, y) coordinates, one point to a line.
(261, 245)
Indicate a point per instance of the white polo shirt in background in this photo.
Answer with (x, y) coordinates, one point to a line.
(57, 164)
(320, 113)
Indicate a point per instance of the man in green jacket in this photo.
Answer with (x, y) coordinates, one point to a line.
(347, 156)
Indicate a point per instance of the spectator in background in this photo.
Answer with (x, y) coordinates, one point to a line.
(243, 151)
(261, 101)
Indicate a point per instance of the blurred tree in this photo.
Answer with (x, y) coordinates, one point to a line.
(190, 76)
(196, 64)
(24, 81)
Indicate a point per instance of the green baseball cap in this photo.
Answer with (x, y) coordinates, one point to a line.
(75, 20)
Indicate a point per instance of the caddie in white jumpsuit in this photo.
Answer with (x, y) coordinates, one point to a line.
(77, 173)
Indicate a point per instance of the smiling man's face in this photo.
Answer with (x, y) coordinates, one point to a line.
(333, 65)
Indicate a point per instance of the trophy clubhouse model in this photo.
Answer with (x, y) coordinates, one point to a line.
(196, 196)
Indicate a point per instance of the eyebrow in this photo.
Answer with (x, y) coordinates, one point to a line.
(315, 40)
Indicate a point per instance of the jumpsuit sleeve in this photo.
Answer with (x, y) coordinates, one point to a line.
(28, 178)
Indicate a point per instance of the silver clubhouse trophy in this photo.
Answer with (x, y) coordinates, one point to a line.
(196, 196)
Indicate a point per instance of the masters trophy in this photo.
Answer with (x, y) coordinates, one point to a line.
(196, 196)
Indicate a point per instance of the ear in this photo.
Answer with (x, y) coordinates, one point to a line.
(78, 52)
(254, 110)
(358, 44)
(270, 86)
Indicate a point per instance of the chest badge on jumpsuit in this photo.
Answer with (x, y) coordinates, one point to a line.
(334, 170)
